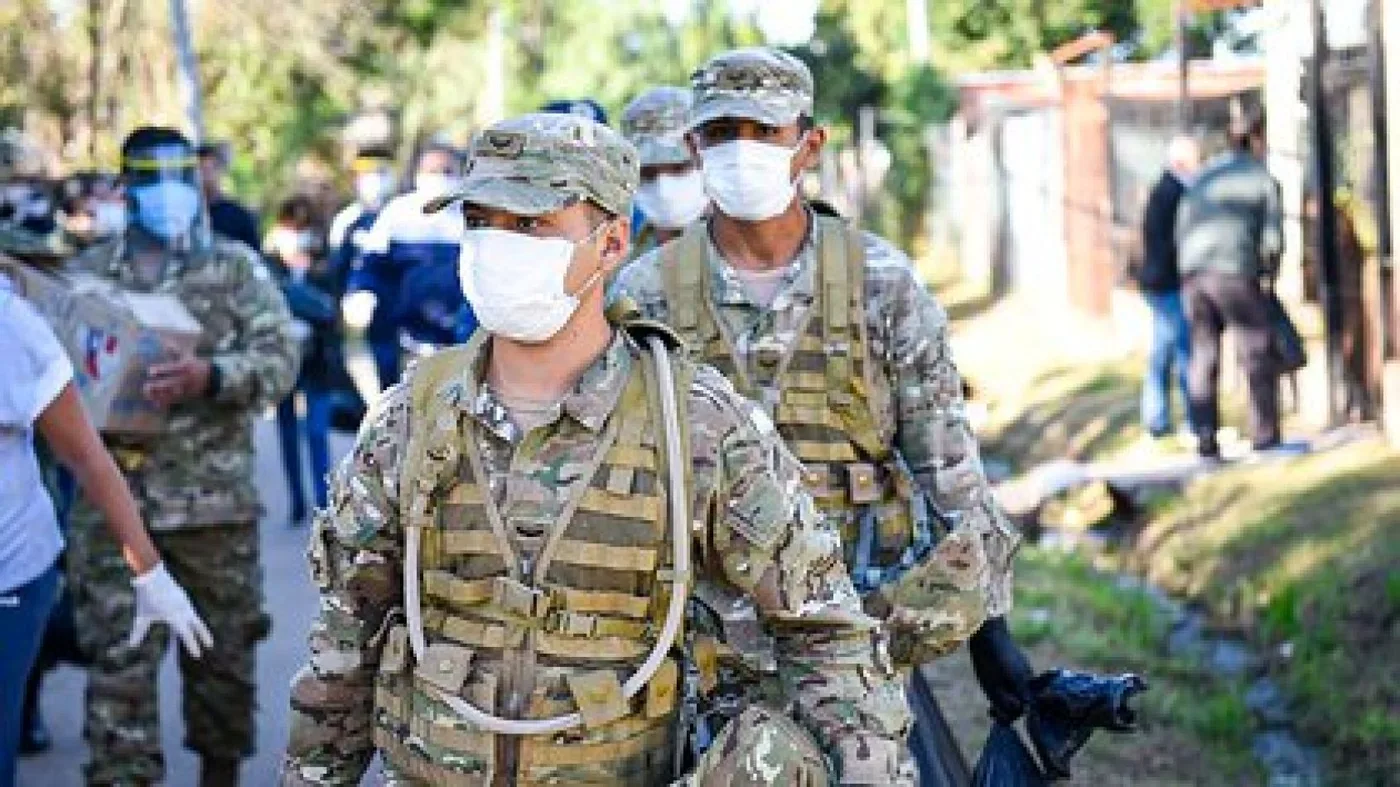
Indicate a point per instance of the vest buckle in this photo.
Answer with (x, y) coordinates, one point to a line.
(571, 624)
(517, 598)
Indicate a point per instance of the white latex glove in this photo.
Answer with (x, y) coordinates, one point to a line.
(160, 599)
(358, 309)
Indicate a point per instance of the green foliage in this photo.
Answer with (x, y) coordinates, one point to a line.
(280, 78)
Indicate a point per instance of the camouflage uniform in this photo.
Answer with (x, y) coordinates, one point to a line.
(655, 123)
(194, 485)
(913, 386)
(442, 448)
(22, 161)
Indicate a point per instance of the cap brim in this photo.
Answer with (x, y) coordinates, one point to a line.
(741, 108)
(521, 197)
(656, 153)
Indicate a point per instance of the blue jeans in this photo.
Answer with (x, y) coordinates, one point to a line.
(24, 614)
(317, 428)
(1168, 359)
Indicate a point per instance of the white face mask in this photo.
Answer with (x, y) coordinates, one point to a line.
(372, 188)
(108, 218)
(749, 180)
(515, 283)
(673, 201)
(437, 183)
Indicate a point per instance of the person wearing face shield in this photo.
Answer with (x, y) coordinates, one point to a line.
(515, 549)
(672, 192)
(374, 184)
(405, 285)
(193, 481)
(832, 331)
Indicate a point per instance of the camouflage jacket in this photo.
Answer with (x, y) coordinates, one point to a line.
(757, 533)
(918, 388)
(199, 471)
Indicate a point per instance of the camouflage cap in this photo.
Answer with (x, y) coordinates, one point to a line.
(20, 156)
(537, 164)
(758, 83)
(655, 122)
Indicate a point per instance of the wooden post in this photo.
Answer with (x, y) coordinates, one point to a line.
(1329, 274)
(190, 92)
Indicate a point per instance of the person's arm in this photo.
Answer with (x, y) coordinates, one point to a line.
(356, 562)
(972, 566)
(65, 427)
(260, 366)
(769, 541)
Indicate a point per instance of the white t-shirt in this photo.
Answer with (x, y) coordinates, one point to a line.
(33, 371)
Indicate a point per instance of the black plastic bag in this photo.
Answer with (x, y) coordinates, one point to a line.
(1006, 762)
(1289, 352)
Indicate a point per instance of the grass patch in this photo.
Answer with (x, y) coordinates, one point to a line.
(1306, 556)
(1080, 616)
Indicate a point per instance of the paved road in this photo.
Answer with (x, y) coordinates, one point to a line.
(291, 602)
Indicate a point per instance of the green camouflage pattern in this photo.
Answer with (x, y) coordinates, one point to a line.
(32, 246)
(756, 532)
(540, 163)
(918, 396)
(218, 567)
(758, 83)
(760, 747)
(199, 470)
(655, 122)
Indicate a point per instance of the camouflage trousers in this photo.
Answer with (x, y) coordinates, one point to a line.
(759, 748)
(218, 567)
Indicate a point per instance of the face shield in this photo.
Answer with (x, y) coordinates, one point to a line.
(164, 198)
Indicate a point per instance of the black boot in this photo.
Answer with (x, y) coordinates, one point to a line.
(218, 772)
(33, 735)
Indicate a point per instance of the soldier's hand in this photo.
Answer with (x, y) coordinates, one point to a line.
(177, 381)
(160, 599)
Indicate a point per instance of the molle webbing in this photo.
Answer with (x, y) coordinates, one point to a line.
(825, 409)
(588, 592)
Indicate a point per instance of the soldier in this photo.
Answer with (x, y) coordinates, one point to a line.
(506, 561)
(28, 229)
(832, 331)
(193, 481)
(672, 192)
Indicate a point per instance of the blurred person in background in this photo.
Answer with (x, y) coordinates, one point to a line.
(1229, 233)
(672, 191)
(92, 208)
(28, 228)
(227, 216)
(1159, 279)
(296, 252)
(193, 480)
(406, 283)
(38, 397)
(375, 184)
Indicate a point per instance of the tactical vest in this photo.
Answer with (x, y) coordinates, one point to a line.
(825, 408)
(534, 626)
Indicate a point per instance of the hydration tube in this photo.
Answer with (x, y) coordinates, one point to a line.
(675, 612)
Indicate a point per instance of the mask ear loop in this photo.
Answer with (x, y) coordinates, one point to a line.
(597, 274)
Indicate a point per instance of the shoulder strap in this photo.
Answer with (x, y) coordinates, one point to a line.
(429, 378)
(841, 274)
(682, 277)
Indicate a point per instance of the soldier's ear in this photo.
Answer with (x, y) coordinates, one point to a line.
(616, 242)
